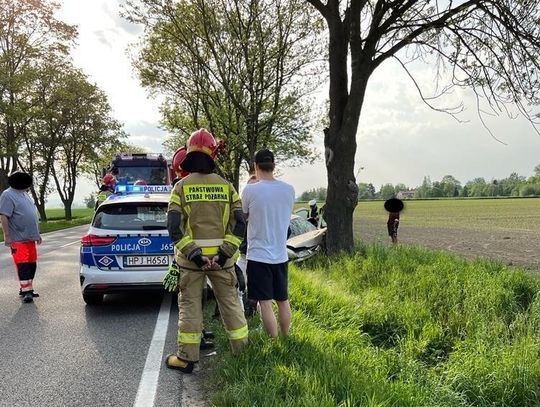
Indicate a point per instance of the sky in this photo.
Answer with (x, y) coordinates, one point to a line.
(399, 139)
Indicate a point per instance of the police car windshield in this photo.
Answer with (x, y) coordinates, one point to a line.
(150, 175)
(132, 216)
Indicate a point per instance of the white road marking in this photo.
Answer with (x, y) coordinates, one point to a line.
(149, 379)
(69, 244)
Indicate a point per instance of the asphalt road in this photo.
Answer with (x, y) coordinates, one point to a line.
(58, 351)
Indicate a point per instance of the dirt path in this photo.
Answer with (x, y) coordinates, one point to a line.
(520, 248)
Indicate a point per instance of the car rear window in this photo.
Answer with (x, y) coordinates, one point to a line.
(300, 226)
(132, 216)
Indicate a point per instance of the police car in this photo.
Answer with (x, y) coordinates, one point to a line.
(127, 246)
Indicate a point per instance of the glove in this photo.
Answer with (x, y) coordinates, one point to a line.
(171, 279)
(196, 257)
(221, 259)
(240, 278)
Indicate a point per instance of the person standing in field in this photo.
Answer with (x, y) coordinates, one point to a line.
(392, 226)
(268, 204)
(19, 219)
(393, 206)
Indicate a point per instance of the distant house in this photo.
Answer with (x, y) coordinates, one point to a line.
(406, 194)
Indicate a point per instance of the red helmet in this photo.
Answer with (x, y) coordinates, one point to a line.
(178, 157)
(140, 182)
(109, 180)
(203, 141)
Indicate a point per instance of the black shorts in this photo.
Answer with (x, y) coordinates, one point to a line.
(392, 231)
(267, 281)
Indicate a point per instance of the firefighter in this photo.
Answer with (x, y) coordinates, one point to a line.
(178, 157)
(108, 183)
(206, 222)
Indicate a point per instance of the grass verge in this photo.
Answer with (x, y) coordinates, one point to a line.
(398, 326)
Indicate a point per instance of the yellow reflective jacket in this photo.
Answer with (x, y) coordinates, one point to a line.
(102, 197)
(206, 203)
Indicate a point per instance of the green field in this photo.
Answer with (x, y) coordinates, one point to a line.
(399, 326)
(81, 216)
(478, 214)
(58, 213)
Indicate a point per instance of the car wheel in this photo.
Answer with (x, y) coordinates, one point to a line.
(92, 299)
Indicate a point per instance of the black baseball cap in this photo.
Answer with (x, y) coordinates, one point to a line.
(264, 156)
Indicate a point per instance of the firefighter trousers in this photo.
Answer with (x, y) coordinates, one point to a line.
(191, 315)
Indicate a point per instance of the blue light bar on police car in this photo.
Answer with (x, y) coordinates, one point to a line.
(143, 189)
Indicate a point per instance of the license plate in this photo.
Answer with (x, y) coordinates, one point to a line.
(146, 261)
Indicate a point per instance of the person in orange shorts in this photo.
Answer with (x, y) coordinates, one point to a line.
(18, 216)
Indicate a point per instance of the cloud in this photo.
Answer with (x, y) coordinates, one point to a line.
(147, 135)
(114, 14)
(106, 37)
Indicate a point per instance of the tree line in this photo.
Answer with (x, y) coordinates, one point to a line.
(54, 122)
(448, 187)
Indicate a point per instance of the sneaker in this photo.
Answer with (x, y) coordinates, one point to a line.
(174, 362)
(28, 297)
(206, 344)
(34, 294)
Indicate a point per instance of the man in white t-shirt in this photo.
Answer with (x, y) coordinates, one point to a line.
(268, 204)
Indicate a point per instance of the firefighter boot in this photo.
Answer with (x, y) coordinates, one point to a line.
(174, 362)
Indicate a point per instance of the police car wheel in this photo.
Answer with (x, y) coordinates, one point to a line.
(92, 299)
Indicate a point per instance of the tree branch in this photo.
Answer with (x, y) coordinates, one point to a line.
(320, 7)
(422, 29)
(452, 111)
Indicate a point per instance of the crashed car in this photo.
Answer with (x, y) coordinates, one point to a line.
(305, 239)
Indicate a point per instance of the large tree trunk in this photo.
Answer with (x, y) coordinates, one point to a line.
(67, 210)
(9, 156)
(42, 213)
(3, 180)
(340, 137)
(340, 145)
(342, 195)
(40, 204)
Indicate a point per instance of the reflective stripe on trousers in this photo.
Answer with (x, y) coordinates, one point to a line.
(240, 333)
(189, 337)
